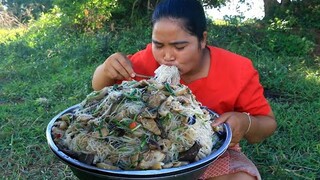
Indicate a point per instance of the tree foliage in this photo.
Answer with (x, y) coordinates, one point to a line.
(26, 10)
(84, 11)
(301, 13)
(214, 3)
(93, 14)
(88, 15)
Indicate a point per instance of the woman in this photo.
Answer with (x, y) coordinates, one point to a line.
(225, 82)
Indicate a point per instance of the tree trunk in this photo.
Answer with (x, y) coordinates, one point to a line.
(285, 3)
(269, 7)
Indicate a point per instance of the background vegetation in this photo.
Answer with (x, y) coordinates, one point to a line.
(47, 61)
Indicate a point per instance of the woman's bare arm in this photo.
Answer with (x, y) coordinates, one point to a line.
(260, 128)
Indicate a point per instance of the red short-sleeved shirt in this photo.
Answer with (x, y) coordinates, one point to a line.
(231, 85)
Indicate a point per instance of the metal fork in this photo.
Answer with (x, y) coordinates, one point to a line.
(143, 76)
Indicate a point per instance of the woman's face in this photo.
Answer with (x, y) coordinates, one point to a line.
(173, 45)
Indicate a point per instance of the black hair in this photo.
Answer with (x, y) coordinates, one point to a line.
(191, 13)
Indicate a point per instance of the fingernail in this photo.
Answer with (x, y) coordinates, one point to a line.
(214, 124)
(133, 75)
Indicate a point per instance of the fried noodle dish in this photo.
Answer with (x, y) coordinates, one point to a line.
(148, 124)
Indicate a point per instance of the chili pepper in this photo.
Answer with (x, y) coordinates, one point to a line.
(133, 125)
(58, 136)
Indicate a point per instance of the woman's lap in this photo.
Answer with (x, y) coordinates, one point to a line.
(232, 161)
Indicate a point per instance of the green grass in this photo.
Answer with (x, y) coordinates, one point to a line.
(48, 67)
(291, 75)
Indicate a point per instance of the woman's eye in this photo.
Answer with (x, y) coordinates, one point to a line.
(158, 46)
(180, 47)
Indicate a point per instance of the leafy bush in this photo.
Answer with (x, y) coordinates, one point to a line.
(299, 13)
(88, 15)
(26, 10)
(288, 44)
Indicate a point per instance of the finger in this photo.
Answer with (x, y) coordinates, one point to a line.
(110, 68)
(114, 68)
(113, 73)
(219, 121)
(232, 144)
(126, 67)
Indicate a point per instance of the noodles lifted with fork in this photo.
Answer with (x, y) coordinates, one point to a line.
(169, 74)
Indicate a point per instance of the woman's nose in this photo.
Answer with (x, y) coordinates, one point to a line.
(168, 56)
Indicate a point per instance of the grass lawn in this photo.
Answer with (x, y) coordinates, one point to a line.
(47, 68)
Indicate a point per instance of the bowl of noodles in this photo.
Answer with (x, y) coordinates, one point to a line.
(138, 130)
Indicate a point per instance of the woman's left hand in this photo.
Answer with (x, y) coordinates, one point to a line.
(238, 123)
(253, 129)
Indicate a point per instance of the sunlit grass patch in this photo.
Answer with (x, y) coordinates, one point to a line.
(7, 35)
(313, 75)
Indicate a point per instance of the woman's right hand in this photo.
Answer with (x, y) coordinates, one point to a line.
(115, 67)
(118, 67)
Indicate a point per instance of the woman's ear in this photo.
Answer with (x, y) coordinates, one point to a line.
(204, 40)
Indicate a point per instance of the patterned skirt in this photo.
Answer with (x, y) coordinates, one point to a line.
(232, 161)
